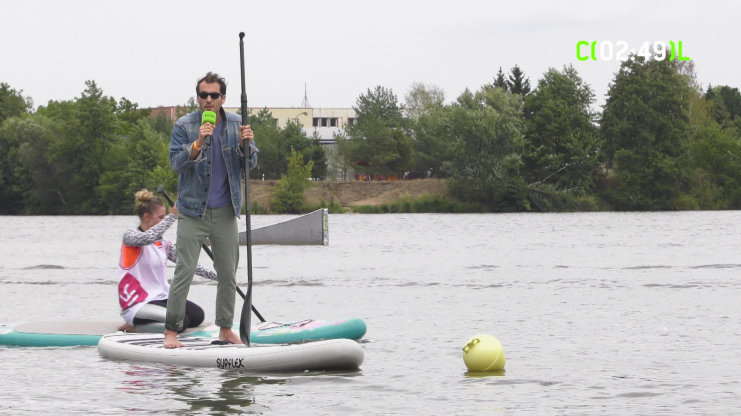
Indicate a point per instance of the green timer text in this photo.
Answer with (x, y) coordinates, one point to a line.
(606, 50)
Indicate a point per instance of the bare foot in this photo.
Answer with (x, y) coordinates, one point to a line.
(126, 327)
(171, 339)
(226, 334)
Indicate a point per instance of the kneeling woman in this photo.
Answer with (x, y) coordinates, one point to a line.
(142, 283)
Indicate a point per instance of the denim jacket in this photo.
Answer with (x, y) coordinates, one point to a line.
(194, 176)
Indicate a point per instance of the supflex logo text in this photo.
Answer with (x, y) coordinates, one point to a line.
(229, 363)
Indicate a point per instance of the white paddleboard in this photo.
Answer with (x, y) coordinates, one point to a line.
(334, 354)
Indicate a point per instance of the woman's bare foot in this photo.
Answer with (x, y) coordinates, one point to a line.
(226, 334)
(171, 339)
(126, 327)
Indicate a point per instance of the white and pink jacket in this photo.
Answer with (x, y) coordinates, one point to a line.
(143, 266)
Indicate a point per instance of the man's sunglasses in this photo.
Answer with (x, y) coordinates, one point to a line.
(213, 95)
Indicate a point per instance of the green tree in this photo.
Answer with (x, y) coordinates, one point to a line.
(725, 106)
(84, 149)
(162, 123)
(715, 168)
(82, 156)
(427, 117)
(13, 103)
(34, 180)
(338, 155)
(128, 114)
(293, 137)
(288, 196)
(421, 99)
(275, 146)
(561, 140)
(270, 160)
(139, 160)
(190, 106)
(379, 141)
(486, 134)
(62, 119)
(645, 124)
(517, 83)
(712, 160)
(87, 129)
(500, 81)
(317, 154)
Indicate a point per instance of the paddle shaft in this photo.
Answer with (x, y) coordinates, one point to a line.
(244, 324)
(211, 256)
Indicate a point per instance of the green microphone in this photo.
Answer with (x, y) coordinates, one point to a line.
(208, 117)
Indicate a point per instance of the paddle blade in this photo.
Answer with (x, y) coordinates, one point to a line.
(245, 320)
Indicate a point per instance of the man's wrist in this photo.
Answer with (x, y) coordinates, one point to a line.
(193, 151)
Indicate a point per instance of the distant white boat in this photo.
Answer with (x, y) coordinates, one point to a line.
(308, 229)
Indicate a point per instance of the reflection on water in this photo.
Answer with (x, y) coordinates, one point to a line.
(231, 394)
(479, 374)
(197, 390)
(202, 391)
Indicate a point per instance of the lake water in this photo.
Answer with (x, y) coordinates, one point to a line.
(598, 313)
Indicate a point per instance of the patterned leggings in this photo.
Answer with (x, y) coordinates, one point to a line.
(151, 317)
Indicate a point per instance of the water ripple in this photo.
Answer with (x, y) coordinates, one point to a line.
(673, 286)
(638, 394)
(647, 267)
(483, 267)
(43, 267)
(289, 283)
(417, 284)
(716, 266)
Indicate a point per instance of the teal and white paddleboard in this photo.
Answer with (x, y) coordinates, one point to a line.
(306, 330)
(67, 334)
(333, 354)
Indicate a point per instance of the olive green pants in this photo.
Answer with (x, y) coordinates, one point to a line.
(220, 226)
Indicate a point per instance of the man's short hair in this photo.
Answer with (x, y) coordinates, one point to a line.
(210, 78)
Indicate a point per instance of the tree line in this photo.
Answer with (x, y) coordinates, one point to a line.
(89, 155)
(659, 143)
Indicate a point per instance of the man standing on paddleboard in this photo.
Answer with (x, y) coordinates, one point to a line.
(206, 153)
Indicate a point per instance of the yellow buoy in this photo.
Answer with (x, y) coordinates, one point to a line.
(483, 353)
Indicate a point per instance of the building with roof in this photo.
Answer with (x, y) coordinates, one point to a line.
(323, 123)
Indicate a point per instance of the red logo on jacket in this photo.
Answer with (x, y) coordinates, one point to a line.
(130, 292)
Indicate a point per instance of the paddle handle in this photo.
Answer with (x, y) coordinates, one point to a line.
(244, 323)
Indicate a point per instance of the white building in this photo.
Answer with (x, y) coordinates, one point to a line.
(323, 123)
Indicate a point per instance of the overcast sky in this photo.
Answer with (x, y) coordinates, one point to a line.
(153, 51)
